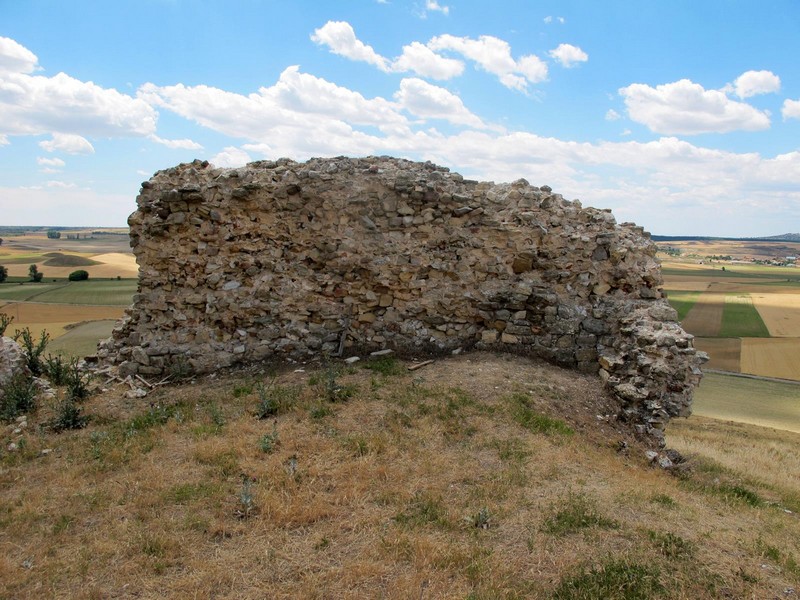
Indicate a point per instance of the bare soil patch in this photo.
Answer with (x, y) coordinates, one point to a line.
(705, 317)
(724, 353)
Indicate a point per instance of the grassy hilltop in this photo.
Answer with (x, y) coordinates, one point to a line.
(477, 476)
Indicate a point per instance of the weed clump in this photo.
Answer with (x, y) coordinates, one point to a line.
(534, 421)
(612, 580)
(269, 441)
(577, 512)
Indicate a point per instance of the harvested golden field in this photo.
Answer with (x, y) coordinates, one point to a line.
(780, 312)
(771, 357)
(724, 353)
(55, 317)
(479, 476)
(705, 317)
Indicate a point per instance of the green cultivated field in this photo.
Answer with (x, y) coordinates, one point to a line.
(744, 400)
(741, 319)
(82, 339)
(682, 301)
(111, 293)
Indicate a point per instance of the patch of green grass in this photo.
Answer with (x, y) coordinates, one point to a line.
(26, 291)
(741, 319)
(574, 513)
(740, 493)
(186, 493)
(670, 545)
(765, 403)
(534, 421)
(611, 580)
(424, 509)
(663, 500)
(93, 292)
(682, 301)
(385, 365)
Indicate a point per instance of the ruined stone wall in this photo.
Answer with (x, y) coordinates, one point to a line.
(287, 260)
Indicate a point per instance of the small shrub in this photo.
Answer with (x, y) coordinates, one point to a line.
(332, 390)
(19, 396)
(247, 504)
(5, 320)
(180, 368)
(269, 441)
(56, 369)
(274, 399)
(613, 580)
(79, 275)
(68, 416)
(3, 273)
(480, 520)
(33, 350)
(577, 512)
(76, 382)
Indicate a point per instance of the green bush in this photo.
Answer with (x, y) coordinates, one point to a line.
(19, 397)
(79, 275)
(3, 273)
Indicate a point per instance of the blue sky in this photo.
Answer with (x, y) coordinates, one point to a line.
(682, 116)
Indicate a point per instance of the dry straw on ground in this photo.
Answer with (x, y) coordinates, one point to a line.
(474, 477)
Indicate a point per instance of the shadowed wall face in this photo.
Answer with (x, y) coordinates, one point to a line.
(286, 260)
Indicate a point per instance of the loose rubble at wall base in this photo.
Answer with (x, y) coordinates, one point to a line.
(281, 260)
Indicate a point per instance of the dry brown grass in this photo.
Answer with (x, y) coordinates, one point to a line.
(385, 495)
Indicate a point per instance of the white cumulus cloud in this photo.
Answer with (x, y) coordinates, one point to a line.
(230, 157)
(494, 56)
(55, 163)
(182, 144)
(685, 107)
(16, 58)
(37, 105)
(752, 83)
(790, 109)
(340, 37)
(612, 115)
(429, 101)
(67, 142)
(568, 55)
(435, 6)
(422, 60)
